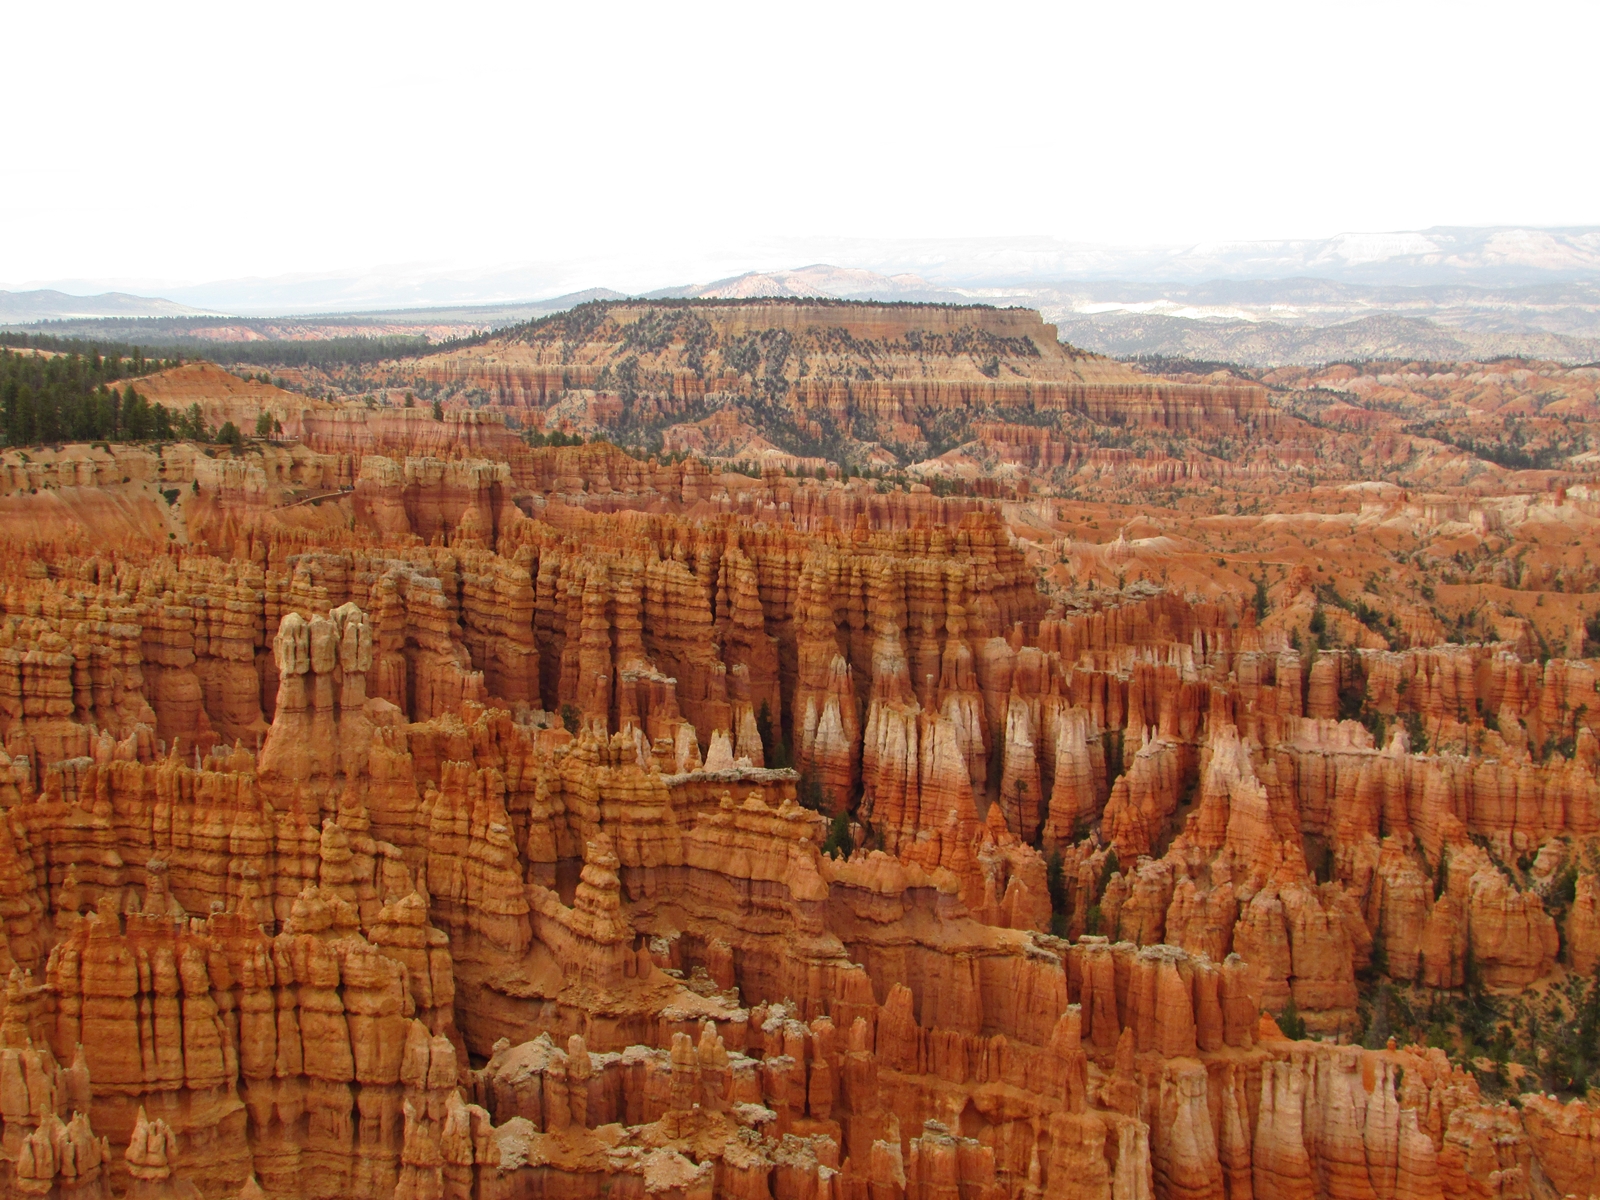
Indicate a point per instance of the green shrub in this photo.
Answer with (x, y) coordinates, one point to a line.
(840, 842)
(1291, 1022)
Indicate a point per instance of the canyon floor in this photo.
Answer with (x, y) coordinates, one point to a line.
(892, 754)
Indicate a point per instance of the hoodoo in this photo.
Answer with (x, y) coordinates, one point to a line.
(852, 799)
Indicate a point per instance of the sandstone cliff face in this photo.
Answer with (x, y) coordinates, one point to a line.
(898, 367)
(477, 850)
(879, 672)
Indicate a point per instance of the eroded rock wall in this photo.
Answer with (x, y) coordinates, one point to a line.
(480, 852)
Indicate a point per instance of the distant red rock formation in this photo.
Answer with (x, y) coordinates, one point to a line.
(445, 816)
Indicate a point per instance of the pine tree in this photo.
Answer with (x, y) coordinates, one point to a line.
(47, 414)
(192, 424)
(1055, 877)
(135, 415)
(25, 421)
(840, 842)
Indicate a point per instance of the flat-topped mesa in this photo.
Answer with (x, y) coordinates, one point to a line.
(519, 368)
(891, 363)
(863, 322)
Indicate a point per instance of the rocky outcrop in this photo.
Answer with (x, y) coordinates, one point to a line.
(912, 349)
(555, 822)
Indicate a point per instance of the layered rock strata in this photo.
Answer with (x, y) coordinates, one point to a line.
(493, 848)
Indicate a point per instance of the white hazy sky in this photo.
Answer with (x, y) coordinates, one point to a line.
(152, 143)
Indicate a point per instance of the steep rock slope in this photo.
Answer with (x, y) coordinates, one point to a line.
(466, 857)
(815, 377)
(412, 810)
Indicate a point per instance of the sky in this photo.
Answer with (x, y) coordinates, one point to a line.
(638, 145)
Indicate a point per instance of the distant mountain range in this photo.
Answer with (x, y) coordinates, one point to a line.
(1497, 256)
(1442, 292)
(18, 308)
(839, 283)
(1274, 343)
(1500, 256)
(203, 334)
